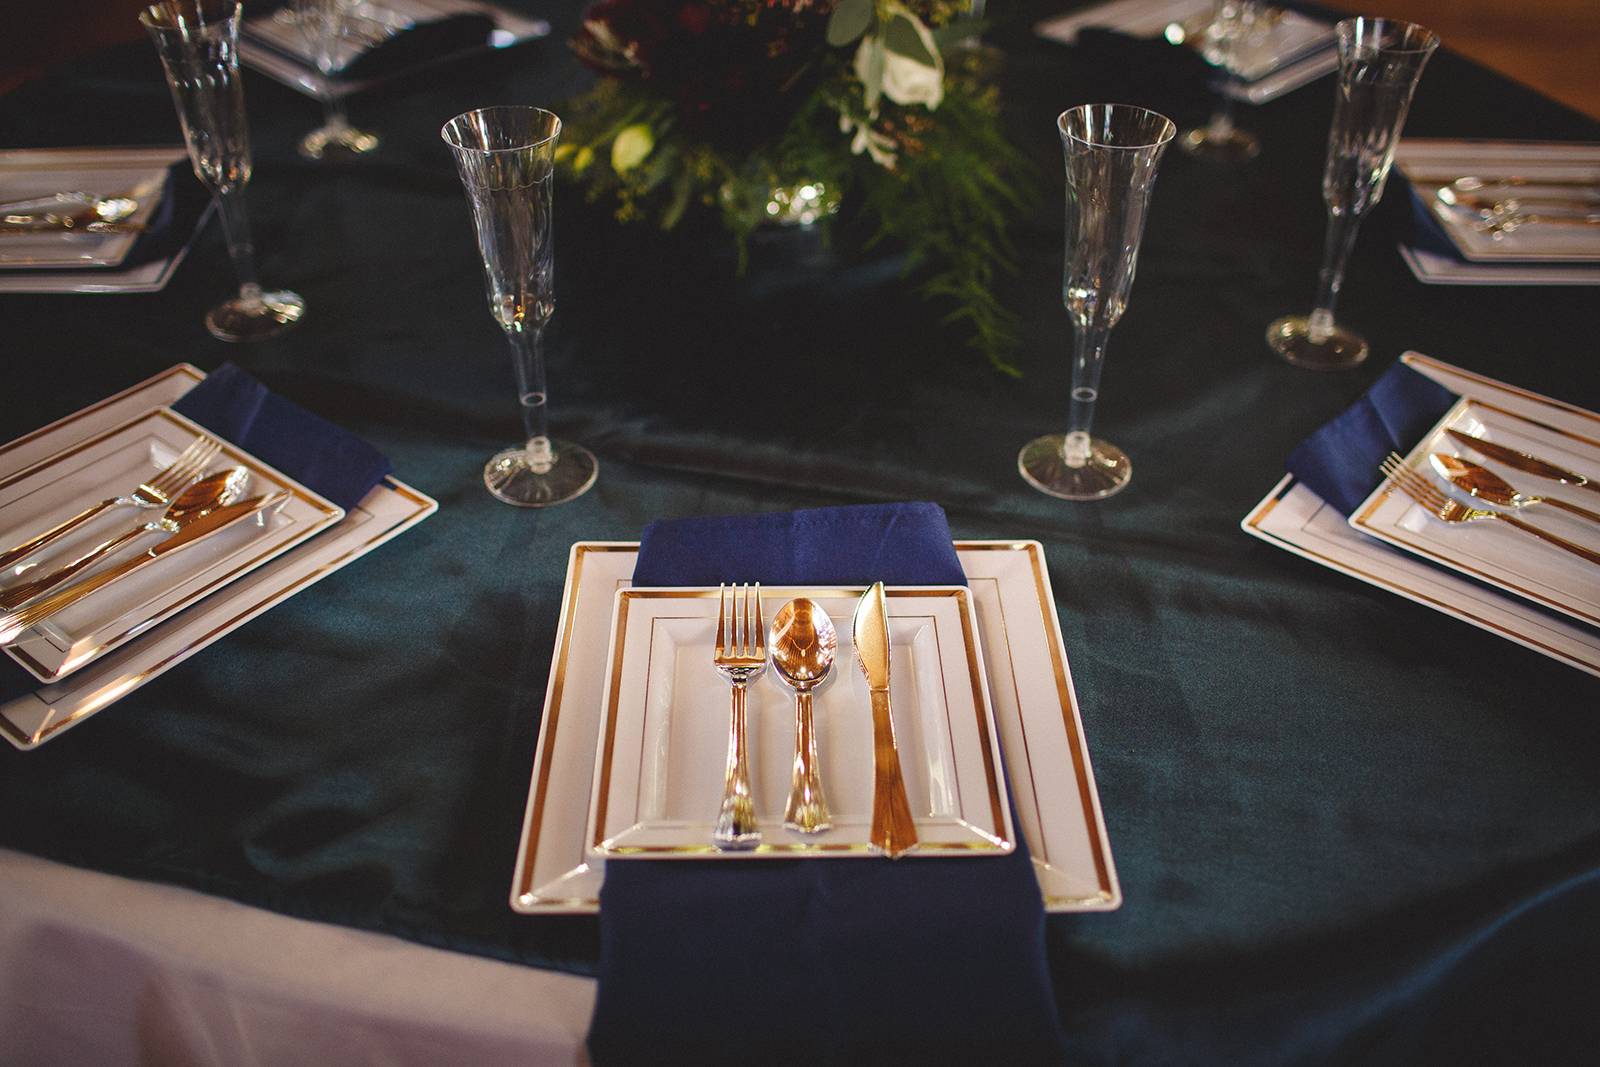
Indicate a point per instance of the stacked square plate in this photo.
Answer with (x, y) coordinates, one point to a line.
(66, 262)
(1291, 49)
(1503, 212)
(1487, 573)
(275, 45)
(113, 641)
(632, 744)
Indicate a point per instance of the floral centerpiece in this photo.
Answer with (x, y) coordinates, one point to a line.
(782, 110)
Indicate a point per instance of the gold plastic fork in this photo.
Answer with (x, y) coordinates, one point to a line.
(1433, 499)
(156, 493)
(741, 656)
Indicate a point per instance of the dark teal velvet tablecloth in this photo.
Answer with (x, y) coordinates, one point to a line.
(1346, 827)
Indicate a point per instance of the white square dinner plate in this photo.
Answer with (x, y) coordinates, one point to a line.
(30, 718)
(1030, 693)
(140, 173)
(106, 467)
(664, 737)
(1294, 518)
(1491, 550)
(1432, 164)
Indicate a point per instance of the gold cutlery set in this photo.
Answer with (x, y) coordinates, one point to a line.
(1485, 485)
(801, 648)
(1498, 206)
(190, 505)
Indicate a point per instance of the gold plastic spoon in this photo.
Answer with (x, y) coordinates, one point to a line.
(803, 645)
(1485, 484)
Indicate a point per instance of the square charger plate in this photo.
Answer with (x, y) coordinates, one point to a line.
(29, 172)
(1430, 164)
(1294, 518)
(30, 716)
(108, 466)
(1490, 550)
(1030, 692)
(664, 741)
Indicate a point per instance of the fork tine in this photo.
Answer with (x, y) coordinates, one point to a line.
(744, 619)
(761, 628)
(184, 469)
(722, 611)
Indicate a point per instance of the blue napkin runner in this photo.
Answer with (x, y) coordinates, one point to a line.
(323, 457)
(1339, 462)
(820, 961)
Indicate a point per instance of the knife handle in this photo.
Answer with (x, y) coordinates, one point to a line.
(1546, 535)
(894, 832)
(1573, 509)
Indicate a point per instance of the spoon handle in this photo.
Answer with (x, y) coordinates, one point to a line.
(10, 556)
(1546, 535)
(807, 810)
(19, 595)
(736, 823)
(1592, 516)
(894, 832)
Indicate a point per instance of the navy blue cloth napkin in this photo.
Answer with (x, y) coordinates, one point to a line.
(820, 961)
(306, 447)
(1340, 461)
(323, 457)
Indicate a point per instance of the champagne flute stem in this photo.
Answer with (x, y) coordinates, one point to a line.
(333, 113)
(236, 227)
(1088, 356)
(1342, 227)
(527, 356)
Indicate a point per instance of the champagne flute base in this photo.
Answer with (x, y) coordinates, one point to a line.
(1229, 145)
(515, 478)
(1290, 337)
(1043, 465)
(240, 319)
(336, 141)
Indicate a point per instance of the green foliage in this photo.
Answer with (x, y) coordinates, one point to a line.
(955, 185)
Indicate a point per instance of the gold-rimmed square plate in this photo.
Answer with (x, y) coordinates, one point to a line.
(110, 465)
(140, 173)
(1493, 551)
(663, 740)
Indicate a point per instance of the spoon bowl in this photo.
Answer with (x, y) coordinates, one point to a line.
(804, 644)
(1488, 486)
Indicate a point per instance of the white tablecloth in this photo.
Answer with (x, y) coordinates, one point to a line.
(97, 969)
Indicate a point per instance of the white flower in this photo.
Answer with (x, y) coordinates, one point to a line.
(902, 79)
(877, 145)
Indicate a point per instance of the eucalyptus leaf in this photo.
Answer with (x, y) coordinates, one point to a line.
(901, 38)
(959, 30)
(849, 21)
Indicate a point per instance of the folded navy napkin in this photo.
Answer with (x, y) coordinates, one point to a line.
(323, 457)
(820, 961)
(309, 449)
(1340, 461)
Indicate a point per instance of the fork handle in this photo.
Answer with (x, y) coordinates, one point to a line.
(1592, 516)
(736, 823)
(11, 556)
(1546, 535)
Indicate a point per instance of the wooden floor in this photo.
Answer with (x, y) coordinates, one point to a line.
(1552, 45)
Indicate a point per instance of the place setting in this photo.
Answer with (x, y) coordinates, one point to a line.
(1263, 51)
(1502, 212)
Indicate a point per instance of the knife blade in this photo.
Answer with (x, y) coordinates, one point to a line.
(1522, 461)
(14, 623)
(893, 832)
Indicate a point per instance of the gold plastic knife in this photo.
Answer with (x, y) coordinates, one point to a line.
(1522, 461)
(894, 832)
(14, 623)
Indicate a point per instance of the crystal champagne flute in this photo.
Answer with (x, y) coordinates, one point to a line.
(1111, 151)
(1380, 62)
(1232, 24)
(324, 24)
(506, 158)
(198, 41)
